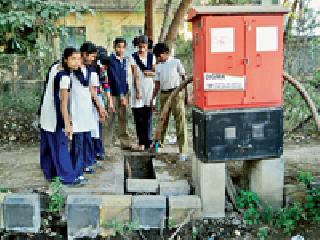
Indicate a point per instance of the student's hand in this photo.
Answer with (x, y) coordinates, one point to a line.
(152, 106)
(111, 107)
(124, 101)
(102, 113)
(68, 131)
(138, 96)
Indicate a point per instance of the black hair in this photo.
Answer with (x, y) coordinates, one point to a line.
(119, 40)
(66, 54)
(105, 60)
(143, 39)
(88, 47)
(135, 41)
(160, 48)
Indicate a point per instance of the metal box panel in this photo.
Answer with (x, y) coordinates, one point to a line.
(246, 49)
(238, 134)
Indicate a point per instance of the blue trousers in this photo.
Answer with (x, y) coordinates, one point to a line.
(82, 152)
(55, 158)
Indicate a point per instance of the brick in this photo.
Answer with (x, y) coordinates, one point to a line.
(266, 178)
(149, 211)
(211, 188)
(175, 188)
(115, 208)
(142, 185)
(83, 216)
(180, 206)
(22, 213)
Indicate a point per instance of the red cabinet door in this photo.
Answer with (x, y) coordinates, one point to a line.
(224, 72)
(264, 51)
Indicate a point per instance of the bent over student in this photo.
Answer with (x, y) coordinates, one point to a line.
(55, 159)
(80, 111)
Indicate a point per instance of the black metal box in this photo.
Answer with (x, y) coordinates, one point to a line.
(237, 134)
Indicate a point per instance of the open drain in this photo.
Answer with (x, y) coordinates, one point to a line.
(139, 174)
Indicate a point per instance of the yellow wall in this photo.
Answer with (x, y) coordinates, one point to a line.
(102, 27)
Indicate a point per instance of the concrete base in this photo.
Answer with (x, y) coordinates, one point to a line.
(210, 185)
(22, 213)
(266, 178)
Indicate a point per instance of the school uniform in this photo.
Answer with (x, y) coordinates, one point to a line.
(141, 107)
(81, 110)
(96, 133)
(118, 80)
(169, 75)
(54, 153)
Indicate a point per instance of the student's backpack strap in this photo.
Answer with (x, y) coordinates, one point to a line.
(45, 86)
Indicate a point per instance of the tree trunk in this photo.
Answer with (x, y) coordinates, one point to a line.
(167, 17)
(178, 18)
(305, 96)
(164, 115)
(290, 19)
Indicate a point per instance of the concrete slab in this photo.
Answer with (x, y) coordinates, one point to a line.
(174, 188)
(22, 213)
(211, 188)
(83, 216)
(148, 211)
(182, 206)
(266, 178)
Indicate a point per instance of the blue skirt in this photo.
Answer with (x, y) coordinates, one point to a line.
(55, 158)
(98, 144)
(82, 152)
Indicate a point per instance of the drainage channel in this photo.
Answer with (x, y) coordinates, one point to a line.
(138, 173)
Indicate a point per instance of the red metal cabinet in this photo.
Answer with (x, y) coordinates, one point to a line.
(238, 56)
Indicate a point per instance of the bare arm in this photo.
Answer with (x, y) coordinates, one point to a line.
(102, 112)
(136, 80)
(65, 113)
(155, 92)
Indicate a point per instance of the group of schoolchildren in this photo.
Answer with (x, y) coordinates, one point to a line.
(87, 89)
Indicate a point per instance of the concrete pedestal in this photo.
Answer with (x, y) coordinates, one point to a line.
(266, 178)
(210, 184)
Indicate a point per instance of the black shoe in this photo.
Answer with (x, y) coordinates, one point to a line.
(100, 158)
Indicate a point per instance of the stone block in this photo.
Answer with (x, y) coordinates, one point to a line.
(142, 185)
(22, 213)
(266, 178)
(211, 188)
(175, 188)
(114, 209)
(149, 211)
(2, 196)
(83, 216)
(182, 206)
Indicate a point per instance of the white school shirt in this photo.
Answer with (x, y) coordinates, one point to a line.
(48, 115)
(146, 86)
(81, 108)
(94, 81)
(169, 73)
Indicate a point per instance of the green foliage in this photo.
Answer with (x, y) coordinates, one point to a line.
(312, 201)
(287, 219)
(295, 108)
(56, 199)
(247, 200)
(124, 229)
(4, 190)
(23, 22)
(263, 233)
(305, 178)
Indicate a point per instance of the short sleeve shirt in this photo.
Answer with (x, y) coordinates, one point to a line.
(146, 86)
(169, 73)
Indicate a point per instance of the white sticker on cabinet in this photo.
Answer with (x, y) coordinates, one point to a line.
(222, 40)
(267, 39)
